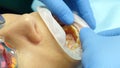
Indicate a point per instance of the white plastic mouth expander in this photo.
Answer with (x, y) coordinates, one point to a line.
(58, 32)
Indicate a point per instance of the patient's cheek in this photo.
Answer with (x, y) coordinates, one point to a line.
(22, 32)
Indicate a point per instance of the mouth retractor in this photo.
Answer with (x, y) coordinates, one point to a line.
(64, 35)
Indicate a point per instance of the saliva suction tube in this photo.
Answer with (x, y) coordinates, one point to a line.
(7, 55)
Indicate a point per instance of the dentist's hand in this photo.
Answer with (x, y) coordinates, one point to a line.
(62, 9)
(100, 50)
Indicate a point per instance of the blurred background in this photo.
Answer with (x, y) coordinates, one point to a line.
(15, 6)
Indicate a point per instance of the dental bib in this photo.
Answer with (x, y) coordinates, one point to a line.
(60, 35)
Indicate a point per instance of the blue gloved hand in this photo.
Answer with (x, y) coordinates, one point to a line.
(62, 9)
(100, 50)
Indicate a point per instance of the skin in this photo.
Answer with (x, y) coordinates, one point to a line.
(34, 44)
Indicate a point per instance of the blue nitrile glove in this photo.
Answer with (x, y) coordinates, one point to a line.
(61, 8)
(100, 50)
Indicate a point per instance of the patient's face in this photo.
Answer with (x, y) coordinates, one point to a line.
(35, 46)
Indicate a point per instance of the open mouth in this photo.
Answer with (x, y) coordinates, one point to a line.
(72, 37)
(73, 45)
(72, 34)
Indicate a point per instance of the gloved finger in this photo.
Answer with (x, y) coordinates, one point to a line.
(112, 32)
(2, 21)
(60, 9)
(35, 4)
(87, 35)
(84, 10)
